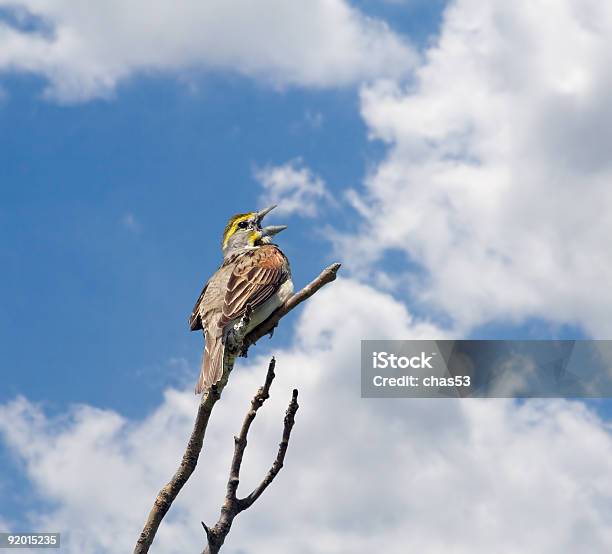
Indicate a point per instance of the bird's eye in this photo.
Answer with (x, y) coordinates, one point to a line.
(243, 225)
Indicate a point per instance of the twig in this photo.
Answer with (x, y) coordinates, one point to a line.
(238, 343)
(245, 503)
(215, 536)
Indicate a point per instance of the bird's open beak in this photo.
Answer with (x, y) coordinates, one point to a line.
(272, 230)
(263, 213)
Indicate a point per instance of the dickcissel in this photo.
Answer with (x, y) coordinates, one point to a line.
(254, 272)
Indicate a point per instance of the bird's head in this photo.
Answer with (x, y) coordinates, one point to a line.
(245, 230)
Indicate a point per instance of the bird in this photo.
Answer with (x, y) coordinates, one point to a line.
(255, 272)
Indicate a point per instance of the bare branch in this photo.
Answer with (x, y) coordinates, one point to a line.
(215, 536)
(237, 344)
(241, 440)
(326, 276)
(245, 503)
(168, 493)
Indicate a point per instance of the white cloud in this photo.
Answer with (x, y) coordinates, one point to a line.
(497, 182)
(294, 187)
(497, 178)
(360, 475)
(86, 49)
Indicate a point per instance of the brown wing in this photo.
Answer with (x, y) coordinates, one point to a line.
(256, 277)
(195, 321)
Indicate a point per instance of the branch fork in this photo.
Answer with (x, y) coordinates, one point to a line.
(233, 505)
(239, 340)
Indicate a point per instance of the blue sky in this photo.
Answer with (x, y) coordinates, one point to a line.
(113, 209)
(119, 168)
(112, 296)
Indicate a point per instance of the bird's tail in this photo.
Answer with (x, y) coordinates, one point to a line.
(212, 363)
